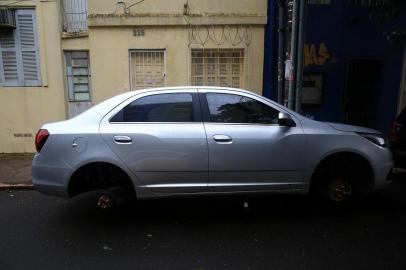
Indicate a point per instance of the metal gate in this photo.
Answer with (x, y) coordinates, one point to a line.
(362, 91)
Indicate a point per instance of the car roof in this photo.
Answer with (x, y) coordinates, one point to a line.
(101, 109)
(131, 93)
(138, 91)
(107, 104)
(237, 90)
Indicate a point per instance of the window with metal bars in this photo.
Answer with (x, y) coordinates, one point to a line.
(74, 15)
(19, 59)
(147, 68)
(218, 67)
(372, 3)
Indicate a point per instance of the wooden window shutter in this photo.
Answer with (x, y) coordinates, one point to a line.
(8, 58)
(29, 71)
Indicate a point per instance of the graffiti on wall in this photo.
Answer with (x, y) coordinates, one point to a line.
(316, 54)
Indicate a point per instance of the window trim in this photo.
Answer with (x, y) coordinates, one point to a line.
(206, 111)
(197, 115)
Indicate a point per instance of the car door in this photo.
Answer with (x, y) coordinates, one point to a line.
(161, 138)
(248, 149)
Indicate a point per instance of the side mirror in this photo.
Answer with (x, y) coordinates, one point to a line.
(285, 120)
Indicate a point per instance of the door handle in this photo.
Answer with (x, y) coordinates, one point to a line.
(120, 139)
(223, 139)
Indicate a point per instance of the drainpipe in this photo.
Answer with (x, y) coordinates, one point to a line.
(270, 52)
(281, 51)
(300, 57)
(293, 54)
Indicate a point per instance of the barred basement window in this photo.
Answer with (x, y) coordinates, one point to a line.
(19, 60)
(218, 67)
(78, 75)
(147, 68)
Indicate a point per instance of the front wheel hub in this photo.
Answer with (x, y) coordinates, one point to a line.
(104, 201)
(339, 190)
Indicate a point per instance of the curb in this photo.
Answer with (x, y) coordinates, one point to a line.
(16, 186)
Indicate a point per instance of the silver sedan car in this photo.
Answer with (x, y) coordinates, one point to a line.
(189, 141)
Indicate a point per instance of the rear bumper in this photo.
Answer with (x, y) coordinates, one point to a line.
(52, 190)
(51, 176)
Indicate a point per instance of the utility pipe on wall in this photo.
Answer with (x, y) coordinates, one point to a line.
(300, 56)
(293, 55)
(281, 51)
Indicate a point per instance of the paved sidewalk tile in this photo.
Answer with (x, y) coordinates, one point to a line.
(15, 168)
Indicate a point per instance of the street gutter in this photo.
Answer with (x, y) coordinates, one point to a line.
(4, 186)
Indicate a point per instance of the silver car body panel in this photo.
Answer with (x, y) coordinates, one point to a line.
(254, 157)
(166, 159)
(351, 128)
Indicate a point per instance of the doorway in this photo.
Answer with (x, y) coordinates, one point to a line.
(363, 81)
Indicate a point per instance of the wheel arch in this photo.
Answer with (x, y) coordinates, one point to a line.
(362, 157)
(81, 180)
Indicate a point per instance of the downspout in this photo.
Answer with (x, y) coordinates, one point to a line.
(300, 57)
(281, 51)
(293, 55)
(270, 55)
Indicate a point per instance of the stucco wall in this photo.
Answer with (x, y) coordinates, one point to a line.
(111, 38)
(109, 54)
(176, 6)
(24, 109)
(75, 43)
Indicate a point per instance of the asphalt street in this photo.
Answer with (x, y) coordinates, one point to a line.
(277, 232)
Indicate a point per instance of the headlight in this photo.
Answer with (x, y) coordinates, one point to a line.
(375, 138)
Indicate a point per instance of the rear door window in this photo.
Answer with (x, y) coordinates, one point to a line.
(176, 107)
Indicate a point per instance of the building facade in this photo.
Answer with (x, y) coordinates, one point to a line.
(354, 63)
(61, 57)
(357, 56)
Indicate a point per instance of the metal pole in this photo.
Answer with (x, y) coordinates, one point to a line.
(300, 56)
(293, 55)
(281, 51)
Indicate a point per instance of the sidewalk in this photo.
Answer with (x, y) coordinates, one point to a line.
(15, 169)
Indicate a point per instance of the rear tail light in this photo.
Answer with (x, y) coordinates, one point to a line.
(41, 138)
(395, 130)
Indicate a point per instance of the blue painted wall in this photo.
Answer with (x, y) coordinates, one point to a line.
(350, 32)
(354, 32)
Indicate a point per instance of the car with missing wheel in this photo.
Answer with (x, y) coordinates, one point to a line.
(193, 141)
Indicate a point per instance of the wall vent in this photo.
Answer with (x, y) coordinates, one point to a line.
(138, 32)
